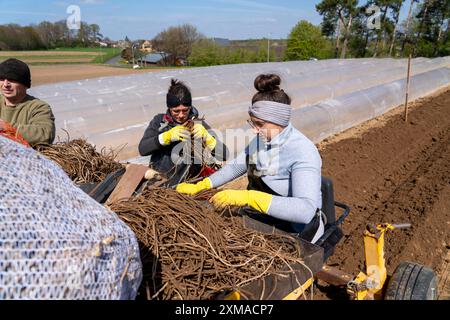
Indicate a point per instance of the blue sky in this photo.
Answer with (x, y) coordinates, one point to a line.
(233, 19)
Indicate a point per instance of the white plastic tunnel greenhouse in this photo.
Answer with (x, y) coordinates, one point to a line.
(328, 96)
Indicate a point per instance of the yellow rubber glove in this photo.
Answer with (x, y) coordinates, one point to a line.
(192, 189)
(178, 133)
(200, 132)
(258, 200)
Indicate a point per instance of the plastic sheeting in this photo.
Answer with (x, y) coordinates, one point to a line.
(335, 115)
(115, 111)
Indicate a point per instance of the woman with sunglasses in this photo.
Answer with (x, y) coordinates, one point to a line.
(166, 136)
(283, 168)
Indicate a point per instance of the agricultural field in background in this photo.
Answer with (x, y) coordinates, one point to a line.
(62, 55)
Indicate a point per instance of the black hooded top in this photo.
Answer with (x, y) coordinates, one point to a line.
(161, 155)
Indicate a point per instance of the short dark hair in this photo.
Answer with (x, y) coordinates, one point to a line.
(268, 86)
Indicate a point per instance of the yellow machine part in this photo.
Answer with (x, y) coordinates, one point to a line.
(294, 295)
(297, 293)
(370, 284)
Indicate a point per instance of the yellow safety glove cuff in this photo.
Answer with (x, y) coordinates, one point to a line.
(258, 200)
(200, 132)
(210, 142)
(178, 133)
(193, 189)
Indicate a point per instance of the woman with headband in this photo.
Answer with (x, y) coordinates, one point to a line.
(283, 167)
(163, 138)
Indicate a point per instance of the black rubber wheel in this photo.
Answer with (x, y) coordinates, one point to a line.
(412, 281)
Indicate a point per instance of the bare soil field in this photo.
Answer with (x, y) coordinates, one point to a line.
(60, 73)
(48, 53)
(60, 61)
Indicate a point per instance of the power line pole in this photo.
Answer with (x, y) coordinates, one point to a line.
(268, 48)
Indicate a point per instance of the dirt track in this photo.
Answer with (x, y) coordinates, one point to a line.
(395, 172)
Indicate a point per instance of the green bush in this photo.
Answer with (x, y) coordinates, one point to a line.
(305, 42)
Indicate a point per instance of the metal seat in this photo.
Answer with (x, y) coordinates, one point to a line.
(333, 232)
(328, 201)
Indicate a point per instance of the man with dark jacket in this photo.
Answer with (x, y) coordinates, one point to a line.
(167, 139)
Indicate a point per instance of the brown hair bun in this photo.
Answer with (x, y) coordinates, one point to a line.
(267, 82)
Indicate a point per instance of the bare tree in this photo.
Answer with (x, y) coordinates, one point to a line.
(423, 13)
(177, 42)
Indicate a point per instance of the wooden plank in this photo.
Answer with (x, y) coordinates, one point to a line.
(407, 87)
(128, 183)
(333, 276)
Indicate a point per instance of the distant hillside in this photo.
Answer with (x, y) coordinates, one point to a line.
(221, 41)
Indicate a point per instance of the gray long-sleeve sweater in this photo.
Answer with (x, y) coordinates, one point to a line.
(290, 165)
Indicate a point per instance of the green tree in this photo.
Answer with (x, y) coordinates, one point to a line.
(95, 33)
(384, 7)
(423, 18)
(305, 41)
(360, 34)
(396, 6)
(261, 55)
(390, 16)
(205, 53)
(433, 24)
(339, 13)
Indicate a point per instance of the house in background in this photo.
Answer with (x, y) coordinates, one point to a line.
(161, 59)
(122, 44)
(154, 58)
(102, 44)
(146, 46)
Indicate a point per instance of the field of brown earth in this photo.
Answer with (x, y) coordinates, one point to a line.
(60, 73)
(48, 53)
(389, 170)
